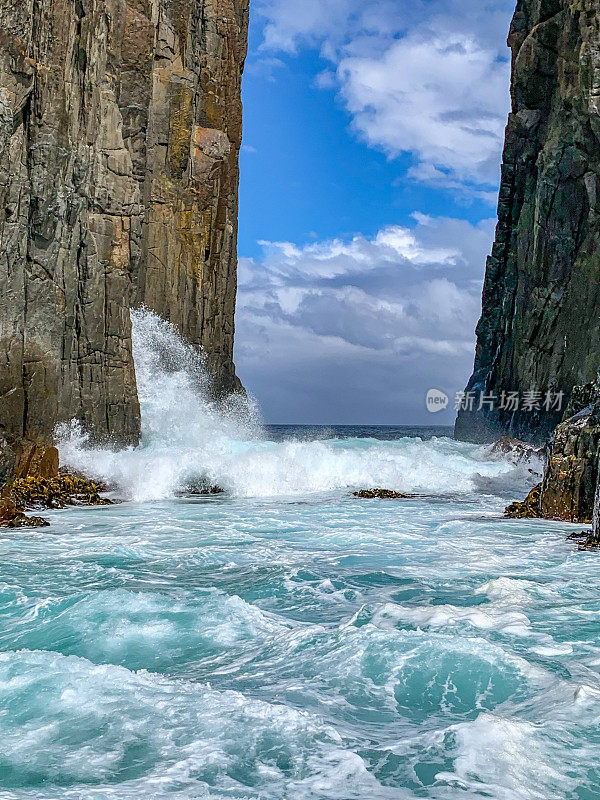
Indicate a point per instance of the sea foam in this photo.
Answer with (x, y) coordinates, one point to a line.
(188, 438)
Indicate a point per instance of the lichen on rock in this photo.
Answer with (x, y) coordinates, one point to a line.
(529, 508)
(37, 493)
(64, 490)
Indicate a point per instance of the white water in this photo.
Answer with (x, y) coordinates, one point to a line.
(189, 439)
(286, 641)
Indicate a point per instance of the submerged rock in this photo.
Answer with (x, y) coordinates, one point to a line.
(515, 450)
(13, 517)
(585, 539)
(591, 542)
(23, 521)
(529, 508)
(383, 494)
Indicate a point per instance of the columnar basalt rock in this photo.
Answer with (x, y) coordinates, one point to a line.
(187, 155)
(540, 326)
(120, 129)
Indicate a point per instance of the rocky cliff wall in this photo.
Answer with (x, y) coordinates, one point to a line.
(120, 129)
(570, 488)
(540, 325)
(185, 150)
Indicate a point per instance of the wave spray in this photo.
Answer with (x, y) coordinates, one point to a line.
(191, 439)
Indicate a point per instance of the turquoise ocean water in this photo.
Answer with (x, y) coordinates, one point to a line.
(286, 640)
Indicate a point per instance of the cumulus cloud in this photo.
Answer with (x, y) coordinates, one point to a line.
(442, 99)
(363, 323)
(428, 77)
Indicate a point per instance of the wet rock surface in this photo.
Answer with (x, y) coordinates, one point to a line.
(569, 485)
(201, 487)
(568, 489)
(11, 516)
(515, 450)
(382, 494)
(530, 508)
(540, 328)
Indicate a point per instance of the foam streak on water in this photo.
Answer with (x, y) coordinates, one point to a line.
(287, 641)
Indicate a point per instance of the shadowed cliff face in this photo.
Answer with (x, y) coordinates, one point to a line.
(540, 326)
(120, 128)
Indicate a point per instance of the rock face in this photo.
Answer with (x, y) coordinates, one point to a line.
(185, 149)
(570, 485)
(120, 129)
(540, 326)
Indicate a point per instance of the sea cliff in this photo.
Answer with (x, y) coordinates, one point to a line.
(539, 333)
(120, 130)
(540, 325)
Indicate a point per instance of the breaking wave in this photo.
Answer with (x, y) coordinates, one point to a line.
(191, 440)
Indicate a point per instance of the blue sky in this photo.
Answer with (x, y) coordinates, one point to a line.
(372, 144)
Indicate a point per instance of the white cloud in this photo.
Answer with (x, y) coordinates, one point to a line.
(286, 27)
(290, 24)
(428, 77)
(284, 262)
(400, 308)
(444, 100)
